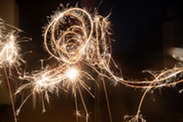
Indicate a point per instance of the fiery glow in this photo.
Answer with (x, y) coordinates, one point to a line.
(9, 47)
(10, 57)
(79, 42)
(9, 52)
(72, 73)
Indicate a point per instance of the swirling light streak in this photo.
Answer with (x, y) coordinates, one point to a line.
(78, 41)
(167, 78)
(76, 38)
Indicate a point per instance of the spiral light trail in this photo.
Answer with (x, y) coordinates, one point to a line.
(79, 42)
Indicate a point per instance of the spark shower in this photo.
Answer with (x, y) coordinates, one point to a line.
(80, 44)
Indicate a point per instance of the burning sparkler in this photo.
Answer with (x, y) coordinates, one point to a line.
(78, 41)
(10, 57)
(9, 47)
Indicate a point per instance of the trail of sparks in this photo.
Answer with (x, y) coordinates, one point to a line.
(167, 78)
(9, 47)
(80, 43)
(10, 57)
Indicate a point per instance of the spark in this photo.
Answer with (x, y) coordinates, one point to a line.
(72, 73)
(9, 52)
(10, 57)
(9, 49)
(167, 78)
(79, 42)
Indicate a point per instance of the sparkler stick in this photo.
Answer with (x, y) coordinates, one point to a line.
(11, 95)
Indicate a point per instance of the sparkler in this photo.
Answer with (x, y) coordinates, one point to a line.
(72, 74)
(9, 47)
(78, 41)
(9, 55)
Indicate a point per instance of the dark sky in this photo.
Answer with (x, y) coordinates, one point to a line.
(127, 15)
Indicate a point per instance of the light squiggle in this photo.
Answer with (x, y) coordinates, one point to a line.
(167, 78)
(78, 41)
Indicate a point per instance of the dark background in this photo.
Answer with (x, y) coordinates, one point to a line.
(138, 31)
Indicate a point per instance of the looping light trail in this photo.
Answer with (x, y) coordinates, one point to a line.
(79, 42)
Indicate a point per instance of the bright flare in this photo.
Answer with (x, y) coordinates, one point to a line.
(9, 52)
(72, 74)
(75, 36)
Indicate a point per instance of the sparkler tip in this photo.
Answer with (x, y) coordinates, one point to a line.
(72, 73)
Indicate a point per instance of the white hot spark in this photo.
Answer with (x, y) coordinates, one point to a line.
(72, 73)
